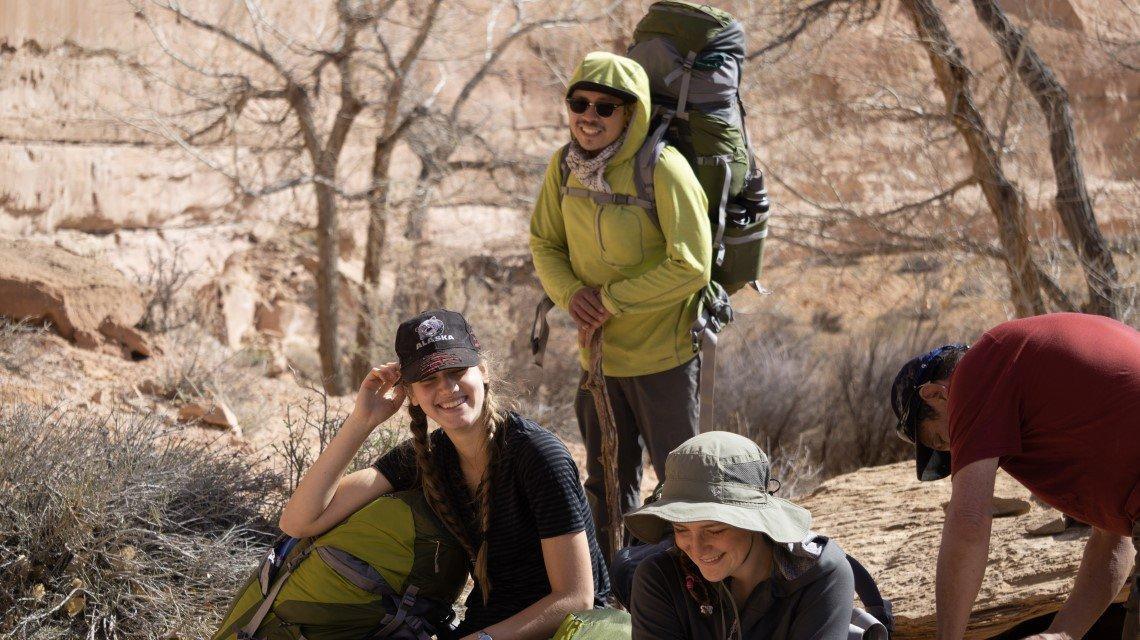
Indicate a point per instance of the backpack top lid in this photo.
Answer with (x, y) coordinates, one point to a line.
(670, 30)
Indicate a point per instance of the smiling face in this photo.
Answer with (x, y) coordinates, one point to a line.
(592, 131)
(717, 549)
(453, 398)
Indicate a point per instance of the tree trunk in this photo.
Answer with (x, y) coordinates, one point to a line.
(1004, 198)
(325, 158)
(417, 290)
(366, 355)
(328, 283)
(1073, 203)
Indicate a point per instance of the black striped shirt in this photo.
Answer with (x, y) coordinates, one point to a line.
(536, 494)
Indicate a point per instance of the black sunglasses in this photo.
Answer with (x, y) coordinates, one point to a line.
(603, 109)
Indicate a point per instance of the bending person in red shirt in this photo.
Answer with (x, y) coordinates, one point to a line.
(1053, 400)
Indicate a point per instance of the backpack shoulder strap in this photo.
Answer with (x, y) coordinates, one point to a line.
(563, 167)
(868, 591)
(282, 576)
(645, 162)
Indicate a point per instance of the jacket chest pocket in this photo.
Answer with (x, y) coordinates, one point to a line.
(619, 235)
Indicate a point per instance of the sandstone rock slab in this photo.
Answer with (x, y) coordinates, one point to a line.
(87, 301)
(213, 413)
(229, 303)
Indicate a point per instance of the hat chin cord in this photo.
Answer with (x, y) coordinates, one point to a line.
(737, 625)
(737, 628)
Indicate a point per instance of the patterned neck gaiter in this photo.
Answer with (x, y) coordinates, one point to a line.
(591, 170)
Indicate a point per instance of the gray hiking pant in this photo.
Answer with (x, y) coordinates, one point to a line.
(1132, 616)
(658, 411)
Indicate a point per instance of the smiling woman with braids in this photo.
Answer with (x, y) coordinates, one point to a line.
(507, 488)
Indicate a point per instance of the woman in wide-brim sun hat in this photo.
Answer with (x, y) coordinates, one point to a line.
(745, 564)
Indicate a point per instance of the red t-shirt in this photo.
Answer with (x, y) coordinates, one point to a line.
(1057, 399)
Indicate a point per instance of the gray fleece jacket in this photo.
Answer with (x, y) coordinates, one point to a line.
(808, 597)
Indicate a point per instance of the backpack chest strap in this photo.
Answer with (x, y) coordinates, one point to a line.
(603, 198)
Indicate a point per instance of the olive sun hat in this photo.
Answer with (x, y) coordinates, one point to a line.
(722, 477)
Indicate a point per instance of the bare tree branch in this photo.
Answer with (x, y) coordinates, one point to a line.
(797, 21)
(174, 7)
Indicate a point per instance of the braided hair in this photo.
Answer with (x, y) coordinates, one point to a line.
(493, 419)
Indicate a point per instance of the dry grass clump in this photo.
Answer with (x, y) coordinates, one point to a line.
(111, 529)
(196, 366)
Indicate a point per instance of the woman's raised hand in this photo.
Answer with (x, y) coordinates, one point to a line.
(380, 395)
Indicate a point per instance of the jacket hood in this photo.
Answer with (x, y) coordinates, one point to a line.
(624, 74)
(802, 563)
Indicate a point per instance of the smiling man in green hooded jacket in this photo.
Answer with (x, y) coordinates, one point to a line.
(609, 264)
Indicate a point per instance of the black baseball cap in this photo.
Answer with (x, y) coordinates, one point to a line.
(930, 464)
(435, 340)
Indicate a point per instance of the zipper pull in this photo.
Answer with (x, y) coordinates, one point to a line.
(437, 556)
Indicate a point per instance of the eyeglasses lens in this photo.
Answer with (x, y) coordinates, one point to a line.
(603, 109)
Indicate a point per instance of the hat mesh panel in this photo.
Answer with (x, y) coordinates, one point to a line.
(753, 473)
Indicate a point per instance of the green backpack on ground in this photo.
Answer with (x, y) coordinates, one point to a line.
(596, 624)
(391, 570)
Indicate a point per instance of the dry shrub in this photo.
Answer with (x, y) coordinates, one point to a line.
(310, 427)
(110, 529)
(167, 308)
(818, 405)
(772, 392)
(858, 422)
(16, 344)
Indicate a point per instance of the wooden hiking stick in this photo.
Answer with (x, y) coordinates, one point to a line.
(596, 384)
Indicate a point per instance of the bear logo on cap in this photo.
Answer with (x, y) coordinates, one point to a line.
(429, 328)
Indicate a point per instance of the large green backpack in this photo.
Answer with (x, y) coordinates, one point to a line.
(391, 570)
(694, 55)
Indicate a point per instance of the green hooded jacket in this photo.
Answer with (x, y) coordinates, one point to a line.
(650, 278)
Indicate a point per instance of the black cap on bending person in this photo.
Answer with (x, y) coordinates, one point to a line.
(907, 402)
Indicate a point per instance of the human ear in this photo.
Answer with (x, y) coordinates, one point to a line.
(934, 394)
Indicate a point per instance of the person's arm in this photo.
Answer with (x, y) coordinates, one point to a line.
(965, 546)
(825, 610)
(325, 496)
(651, 606)
(567, 560)
(682, 210)
(548, 476)
(1105, 566)
(548, 245)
